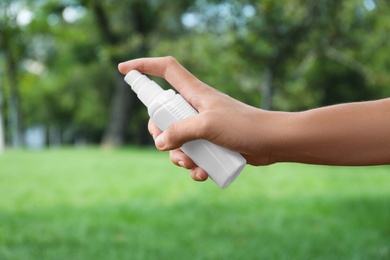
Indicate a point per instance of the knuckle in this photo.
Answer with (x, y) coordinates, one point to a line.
(173, 157)
(170, 60)
(170, 136)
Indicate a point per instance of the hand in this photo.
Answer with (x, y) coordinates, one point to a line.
(346, 134)
(221, 119)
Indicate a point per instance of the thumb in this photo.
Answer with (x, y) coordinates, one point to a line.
(179, 133)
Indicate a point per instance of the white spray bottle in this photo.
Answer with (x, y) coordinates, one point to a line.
(166, 107)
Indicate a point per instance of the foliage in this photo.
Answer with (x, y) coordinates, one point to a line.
(276, 54)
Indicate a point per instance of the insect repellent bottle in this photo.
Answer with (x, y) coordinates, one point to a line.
(166, 107)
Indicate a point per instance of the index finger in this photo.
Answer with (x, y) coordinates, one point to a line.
(166, 67)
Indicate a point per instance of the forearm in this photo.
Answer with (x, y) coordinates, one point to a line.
(347, 134)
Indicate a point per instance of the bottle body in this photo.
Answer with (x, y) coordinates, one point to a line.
(222, 165)
(165, 108)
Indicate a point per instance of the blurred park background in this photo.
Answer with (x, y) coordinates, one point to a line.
(59, 83)
(62, 98)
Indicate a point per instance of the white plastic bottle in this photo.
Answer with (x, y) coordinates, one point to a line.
(166, 107)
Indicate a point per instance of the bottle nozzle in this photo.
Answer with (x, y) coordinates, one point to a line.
(145, 88)
(132, 77)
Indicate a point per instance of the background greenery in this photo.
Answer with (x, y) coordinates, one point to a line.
(58, 71)
(133, 204)
(58, 58)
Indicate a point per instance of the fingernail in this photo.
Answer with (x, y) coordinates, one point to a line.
(198, 177)
(160, 141)
(181, 164)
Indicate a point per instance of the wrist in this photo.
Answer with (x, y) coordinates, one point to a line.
(276, 136)
(292, 139)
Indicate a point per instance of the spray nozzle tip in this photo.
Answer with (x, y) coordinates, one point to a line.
(145, 88)
(132, 77)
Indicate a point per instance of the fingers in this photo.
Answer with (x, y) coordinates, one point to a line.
(198, 174)
(166, 67)
(178, 157)
(181, 159)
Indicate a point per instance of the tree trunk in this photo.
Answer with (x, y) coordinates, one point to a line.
(266, 90)
(120, 102)
(14, 115)
(120, 105)
(2, 142)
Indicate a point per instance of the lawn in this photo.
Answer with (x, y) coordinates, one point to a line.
(133, 203)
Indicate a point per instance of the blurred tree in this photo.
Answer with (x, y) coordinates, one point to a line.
(280, 34)
(58, 71)
(121, 102)
(130, 29)
(2, 137)
(12, 45)
(348, 40)
(281, 43)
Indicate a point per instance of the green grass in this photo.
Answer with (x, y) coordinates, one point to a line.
(134, 204)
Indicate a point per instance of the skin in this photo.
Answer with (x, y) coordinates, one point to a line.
(345, 134)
